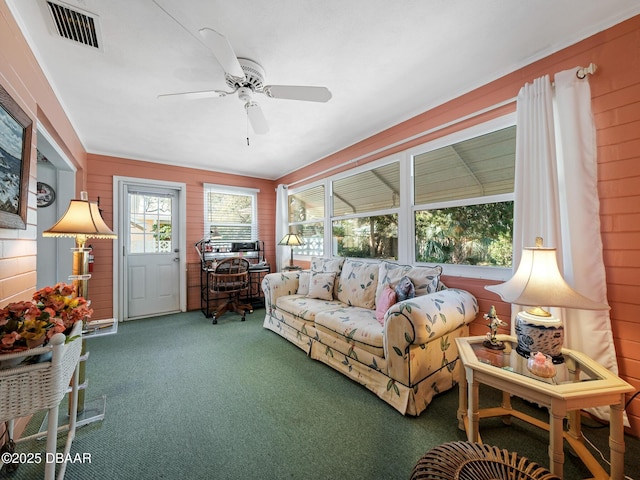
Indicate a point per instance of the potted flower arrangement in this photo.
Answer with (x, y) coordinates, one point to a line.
(26, 325)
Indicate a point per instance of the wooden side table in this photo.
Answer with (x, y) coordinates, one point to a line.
(579, 383)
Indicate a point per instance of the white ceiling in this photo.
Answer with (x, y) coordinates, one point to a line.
(384, 61)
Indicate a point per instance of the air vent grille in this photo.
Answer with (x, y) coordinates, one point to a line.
(74, 25)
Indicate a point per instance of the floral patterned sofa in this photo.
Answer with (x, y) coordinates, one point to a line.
(339, 313)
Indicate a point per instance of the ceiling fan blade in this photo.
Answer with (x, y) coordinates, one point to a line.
(195, 95)
(223, 51)
(256, 118)
(296, 92)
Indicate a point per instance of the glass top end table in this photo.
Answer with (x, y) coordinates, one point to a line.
(578, 383)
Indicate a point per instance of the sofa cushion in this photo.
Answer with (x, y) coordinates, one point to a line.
(425, 279)
(321, 285)
(305, 308)
(384, 301)
(357, 283)
(303, 282)
(355, 326)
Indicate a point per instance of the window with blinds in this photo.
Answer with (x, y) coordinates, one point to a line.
(230, 214)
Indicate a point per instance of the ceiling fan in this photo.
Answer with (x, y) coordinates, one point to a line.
(246, 78)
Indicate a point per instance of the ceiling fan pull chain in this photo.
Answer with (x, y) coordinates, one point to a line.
(247, 111)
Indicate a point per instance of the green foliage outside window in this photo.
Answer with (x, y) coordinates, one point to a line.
(161, 231)
(367, 237)
(467, 235)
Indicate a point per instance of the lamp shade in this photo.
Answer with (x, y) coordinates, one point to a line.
(82, 219)
(538, 282)
(291, 240)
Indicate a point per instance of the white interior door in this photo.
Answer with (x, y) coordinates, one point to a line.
(151, 248)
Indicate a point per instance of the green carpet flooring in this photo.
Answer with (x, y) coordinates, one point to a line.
(190, 400)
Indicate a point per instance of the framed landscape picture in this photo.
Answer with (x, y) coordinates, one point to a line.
(15, 159)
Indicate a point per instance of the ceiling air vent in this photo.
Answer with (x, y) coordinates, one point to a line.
(74, 25)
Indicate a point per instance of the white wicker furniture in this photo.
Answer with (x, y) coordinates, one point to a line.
(27, 389)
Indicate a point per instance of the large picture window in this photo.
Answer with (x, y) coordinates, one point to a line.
(463, 197)
(449, 201)
(230, 214)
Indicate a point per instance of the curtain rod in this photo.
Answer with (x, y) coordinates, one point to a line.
(581, 73)
(409, 139)
(584, 71)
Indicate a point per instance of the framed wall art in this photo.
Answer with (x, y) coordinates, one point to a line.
(15, 160)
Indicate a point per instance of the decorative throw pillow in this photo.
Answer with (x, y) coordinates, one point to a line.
(384, 302)
(425, 279)
(405, 289)
(303, 283)
(357, 284)
(319, 264)
(321, 285)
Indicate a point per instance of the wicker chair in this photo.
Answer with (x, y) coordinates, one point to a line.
(476, 461)
(229, 279)
(27, 389)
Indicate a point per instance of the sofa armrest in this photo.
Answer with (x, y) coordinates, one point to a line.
(416, 322)
(276, 285)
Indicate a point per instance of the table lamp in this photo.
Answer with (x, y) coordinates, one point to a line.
(536, 283)
(81, 221)
(291, 240)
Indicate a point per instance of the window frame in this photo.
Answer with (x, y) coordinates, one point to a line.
(232, 190)
(406, 208)
(471, 271)
(370, 213)
(292, 225)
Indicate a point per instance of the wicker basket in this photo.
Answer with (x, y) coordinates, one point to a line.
(476, 461)
(27, 389)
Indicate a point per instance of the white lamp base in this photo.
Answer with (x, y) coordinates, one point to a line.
(539, 334)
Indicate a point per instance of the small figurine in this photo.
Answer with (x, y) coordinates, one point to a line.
(494, 322)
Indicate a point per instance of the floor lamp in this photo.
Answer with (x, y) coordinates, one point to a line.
(81, 221)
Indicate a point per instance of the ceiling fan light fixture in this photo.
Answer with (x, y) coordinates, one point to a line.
(246, 77)
(253, 76)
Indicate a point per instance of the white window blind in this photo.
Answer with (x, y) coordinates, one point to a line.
(230, 214)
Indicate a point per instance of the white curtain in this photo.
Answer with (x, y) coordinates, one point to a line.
(282, 224)
(585, 330)
(537, 207)
(557, 198)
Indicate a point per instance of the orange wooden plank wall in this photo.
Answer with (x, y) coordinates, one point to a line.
(102, 169)
(616, 107)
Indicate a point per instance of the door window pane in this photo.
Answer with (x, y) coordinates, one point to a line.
(150, 223)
